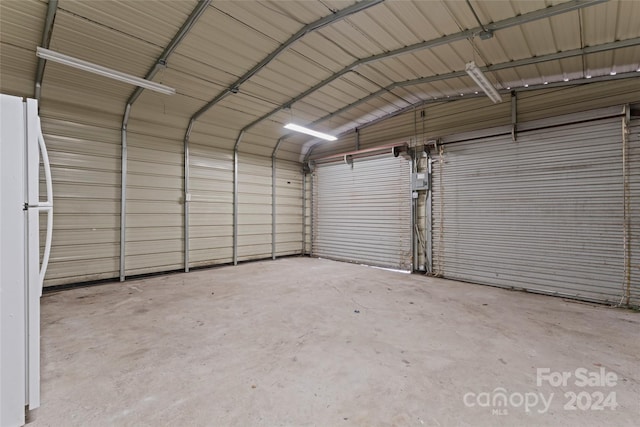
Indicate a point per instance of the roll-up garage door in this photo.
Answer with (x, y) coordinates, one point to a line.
(544, 213)
(362, 212)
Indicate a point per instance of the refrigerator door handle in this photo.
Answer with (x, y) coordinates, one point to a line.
(46, 206)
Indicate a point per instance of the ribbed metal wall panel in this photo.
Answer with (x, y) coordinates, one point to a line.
(634, 195)
(155, 208)
(543, 213)
(211, 208)
(254, 207)
(363, 213)
(543, 103)
(288, 208)
(85, 166)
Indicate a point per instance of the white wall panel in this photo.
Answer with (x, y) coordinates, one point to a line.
(254, 207)
(288, 208)
(155, 209)
(85, 165)
(211, 207)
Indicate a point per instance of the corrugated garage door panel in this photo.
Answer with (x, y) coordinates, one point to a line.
(254, 207)
(154, 237)
(543, 213)
(211, 207)
(363, 214)
(634, 187)
(85, 166)
(541, 104)
(288, 208)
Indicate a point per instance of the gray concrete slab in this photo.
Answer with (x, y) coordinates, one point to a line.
(302, 341)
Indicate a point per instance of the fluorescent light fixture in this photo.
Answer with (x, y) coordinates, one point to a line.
(481, 80)
(311, 132)
(70, 61)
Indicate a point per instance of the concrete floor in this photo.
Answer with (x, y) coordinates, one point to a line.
(303, 341)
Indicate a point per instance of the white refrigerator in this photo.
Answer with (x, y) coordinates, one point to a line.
(22, 153)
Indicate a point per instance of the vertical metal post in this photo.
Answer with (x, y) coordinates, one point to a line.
(123, 193)
(273, 205)
(235, 198)
(304, 212)
(311, 213)
(414, 210)
(46, 39)
(626, 206)
(187, 197)
(357, 139)
(428, 217)
(514, 116)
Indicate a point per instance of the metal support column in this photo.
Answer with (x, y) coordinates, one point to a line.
(514, 116)
(235, 198)
(123, 192)
(187, 199)
(304, 212)
(626, 195)
(414, 211)
(273, 204)
(52, 7)
(428, 217)
(311, 214)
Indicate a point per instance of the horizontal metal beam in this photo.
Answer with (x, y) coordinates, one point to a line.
(309, 28)
(462, 35)
(495, 67)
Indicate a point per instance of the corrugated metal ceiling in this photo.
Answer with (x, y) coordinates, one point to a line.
(232, 36)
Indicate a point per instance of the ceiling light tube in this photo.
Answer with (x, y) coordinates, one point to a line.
(311, 132)
(70, 61)
(481, 80)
